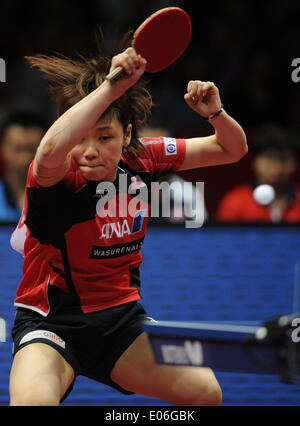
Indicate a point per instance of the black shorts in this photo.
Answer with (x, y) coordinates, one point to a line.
(91, 343)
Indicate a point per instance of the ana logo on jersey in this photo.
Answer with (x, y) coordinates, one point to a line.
(120, 229)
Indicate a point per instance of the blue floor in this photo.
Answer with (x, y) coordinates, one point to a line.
(207, 274)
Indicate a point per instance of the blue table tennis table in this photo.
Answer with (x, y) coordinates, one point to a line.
(269, 347)
(265, 348)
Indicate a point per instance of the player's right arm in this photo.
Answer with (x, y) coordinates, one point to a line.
(53, 158)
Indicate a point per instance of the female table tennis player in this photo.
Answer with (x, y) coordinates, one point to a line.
(77, 304)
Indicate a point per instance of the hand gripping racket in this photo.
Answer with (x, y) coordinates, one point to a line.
(160, 39)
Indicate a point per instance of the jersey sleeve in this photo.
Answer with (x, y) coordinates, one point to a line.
(162, 155)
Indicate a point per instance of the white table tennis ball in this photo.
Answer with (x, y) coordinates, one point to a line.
(264, 194)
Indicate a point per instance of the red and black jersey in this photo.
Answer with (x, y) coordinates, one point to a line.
(75, 257)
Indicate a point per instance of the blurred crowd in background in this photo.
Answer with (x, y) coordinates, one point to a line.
(246, 48)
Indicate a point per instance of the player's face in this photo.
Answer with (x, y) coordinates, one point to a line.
(100, 151)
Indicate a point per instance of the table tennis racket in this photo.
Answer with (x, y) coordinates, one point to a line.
(160, 39)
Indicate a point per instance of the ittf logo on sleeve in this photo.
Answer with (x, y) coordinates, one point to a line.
(170, 146)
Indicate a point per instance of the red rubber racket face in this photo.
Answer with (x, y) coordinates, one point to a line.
(163, 37)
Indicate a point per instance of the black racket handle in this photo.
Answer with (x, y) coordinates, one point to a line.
(115, 75)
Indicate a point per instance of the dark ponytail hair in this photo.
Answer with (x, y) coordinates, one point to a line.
(70, 80)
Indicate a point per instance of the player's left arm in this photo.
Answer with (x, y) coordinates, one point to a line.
(227, 145)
